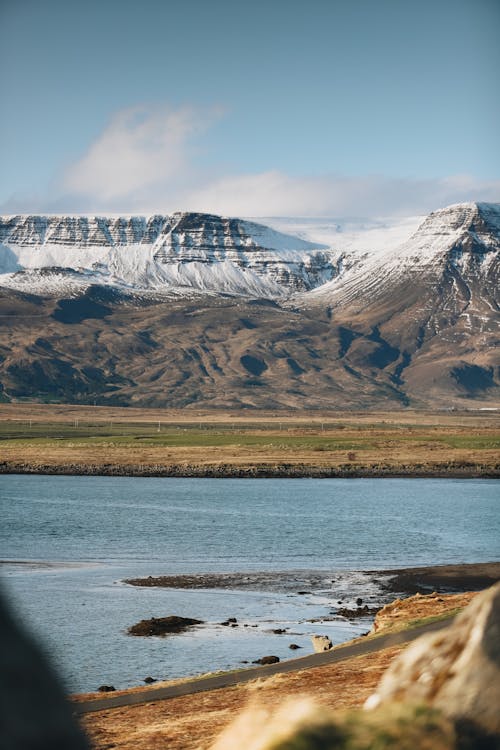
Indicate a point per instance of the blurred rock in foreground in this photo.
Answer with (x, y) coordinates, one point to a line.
(456, 670)
(34, 714)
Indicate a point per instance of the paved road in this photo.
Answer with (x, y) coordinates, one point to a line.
(228, 679)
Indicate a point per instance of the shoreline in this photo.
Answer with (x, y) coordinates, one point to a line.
(451, 470)
(181, 718)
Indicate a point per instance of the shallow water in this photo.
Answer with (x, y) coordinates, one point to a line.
(100, 530)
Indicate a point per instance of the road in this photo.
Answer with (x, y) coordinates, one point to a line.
(228, 679)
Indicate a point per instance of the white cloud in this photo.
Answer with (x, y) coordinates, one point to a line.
(147, 160)
(141, 151)
(276, 194)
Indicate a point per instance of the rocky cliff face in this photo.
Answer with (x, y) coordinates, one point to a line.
(185, 251)
(82, 231)
(288, 263)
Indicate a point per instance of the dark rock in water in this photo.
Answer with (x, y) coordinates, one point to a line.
(303, 593)
(163, 625)
(149, 680)
(106, 689)
(359, 601)
(294, 646)
(267, 660)
(232, 620)
(359, 612)
(279, 631)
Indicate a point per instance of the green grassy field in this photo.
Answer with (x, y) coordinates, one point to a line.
(186, 435)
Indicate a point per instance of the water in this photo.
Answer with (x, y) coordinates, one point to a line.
(96, 531)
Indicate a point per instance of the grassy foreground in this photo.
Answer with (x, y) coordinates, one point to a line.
(104, 440)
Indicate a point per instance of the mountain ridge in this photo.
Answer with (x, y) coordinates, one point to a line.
(228, 322)
(165, 253)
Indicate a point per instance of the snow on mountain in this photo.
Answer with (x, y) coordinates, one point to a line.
(464, 237)
(161, 253)
(351, 236)
(330, 261)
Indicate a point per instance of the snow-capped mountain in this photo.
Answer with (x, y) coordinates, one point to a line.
(427, 312)
(193, 309)
(185, 251)
(461, 240)
(332, 261)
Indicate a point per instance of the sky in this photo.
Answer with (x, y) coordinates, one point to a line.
(345, 108)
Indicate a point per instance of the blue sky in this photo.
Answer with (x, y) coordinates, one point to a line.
(368, 107)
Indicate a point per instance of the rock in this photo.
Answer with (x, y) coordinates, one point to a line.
(149, 680)
(294, 646)
(321, 643)
(358, 612)
(34, 712)
(279, 631)
(163, 625)
(456, 670)
(359, 601)
(231, 621)
(267, 660)
(303, 593)
(304, 725)
(106, 689)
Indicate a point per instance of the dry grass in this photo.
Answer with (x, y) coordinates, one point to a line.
(194, 721)
(403, 441)
(403, 613)
(69, 412)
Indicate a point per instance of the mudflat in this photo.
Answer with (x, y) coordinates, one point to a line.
(442, 578)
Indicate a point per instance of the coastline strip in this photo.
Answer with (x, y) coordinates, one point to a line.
(229, 679)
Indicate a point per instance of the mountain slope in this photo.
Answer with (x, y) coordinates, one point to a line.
(428, 313)
(257, 324)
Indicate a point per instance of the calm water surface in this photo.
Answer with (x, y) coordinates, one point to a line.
(99, 530)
